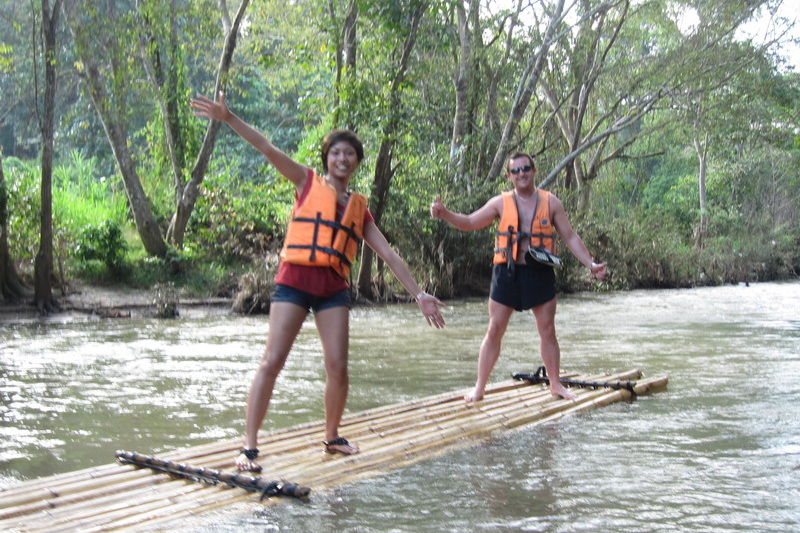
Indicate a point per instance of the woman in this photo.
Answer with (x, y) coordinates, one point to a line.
(327, 223)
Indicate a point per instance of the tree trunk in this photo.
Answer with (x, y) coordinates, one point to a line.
(146, 224)
(346, 47)
(114, 124)
(189, 193)
(383, 165)
(350, 41)
(491, 118)
(701, 147)
(383, 177)
(461, 81)
(162, 71)
(43, 264)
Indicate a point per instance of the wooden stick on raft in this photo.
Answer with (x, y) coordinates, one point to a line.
(540, 376)
(214, 477)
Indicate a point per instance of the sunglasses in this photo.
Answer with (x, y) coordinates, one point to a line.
(517, 170)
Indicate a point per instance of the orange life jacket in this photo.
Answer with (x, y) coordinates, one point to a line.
(314, 236)
(508, 233)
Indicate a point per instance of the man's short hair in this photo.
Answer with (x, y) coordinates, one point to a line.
(517, 155)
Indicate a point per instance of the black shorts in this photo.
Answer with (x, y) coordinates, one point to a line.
(285, 293)
(524, 287)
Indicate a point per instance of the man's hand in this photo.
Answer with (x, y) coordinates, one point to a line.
(437, 208)
(598, 271)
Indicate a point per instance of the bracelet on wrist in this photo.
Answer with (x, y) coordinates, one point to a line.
(421, 295)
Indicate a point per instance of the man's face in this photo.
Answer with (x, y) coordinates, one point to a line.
(520, 172)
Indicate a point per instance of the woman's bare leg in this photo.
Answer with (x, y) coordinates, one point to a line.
(333, 325)
(285, 322)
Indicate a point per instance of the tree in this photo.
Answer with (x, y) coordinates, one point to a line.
(43, 266)
(99, 34)
(12, 288)
(600, 88)
(495, 53)
(161, 55)
(466, 12)
(384, 166)
(346, 54)
(188, 191)
(718, 78)
(526, 86)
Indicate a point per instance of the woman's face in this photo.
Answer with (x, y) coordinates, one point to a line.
(342, 160)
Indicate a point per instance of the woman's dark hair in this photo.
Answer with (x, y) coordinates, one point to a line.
(335, 136)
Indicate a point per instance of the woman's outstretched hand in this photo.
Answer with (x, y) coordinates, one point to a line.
(429, 305)
(206, 108)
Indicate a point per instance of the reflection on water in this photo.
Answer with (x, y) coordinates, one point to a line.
(718, 451)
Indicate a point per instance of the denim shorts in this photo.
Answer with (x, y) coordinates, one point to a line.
(285, 293)
(524, 287)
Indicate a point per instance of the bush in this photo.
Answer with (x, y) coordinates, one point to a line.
(642, 252)
(237, 221)
(104, 243)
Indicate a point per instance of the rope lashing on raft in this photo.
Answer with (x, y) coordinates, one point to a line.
(540, 376)
(215, 477)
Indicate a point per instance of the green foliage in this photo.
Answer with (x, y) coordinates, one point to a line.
(80, 199)
(737, 258)
(6, 63)
(751, 234)
(639, 250)
(445, 261)
(644, 206)
(104, 243)
(310, 146)
(22, 186)
(188, 272)
(235, 220)
(156, 173)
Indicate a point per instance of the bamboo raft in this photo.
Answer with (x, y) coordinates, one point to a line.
(125, 497)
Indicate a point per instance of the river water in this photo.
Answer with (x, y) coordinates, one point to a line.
(718, 451)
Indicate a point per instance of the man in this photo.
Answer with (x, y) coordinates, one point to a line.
(517, 283)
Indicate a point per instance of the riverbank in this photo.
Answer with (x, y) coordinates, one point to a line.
(93, 302)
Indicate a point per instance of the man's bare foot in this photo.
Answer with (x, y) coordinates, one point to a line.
(473, 396)
(340, 445)
(560, 391)
(246, 461)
